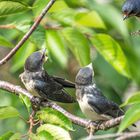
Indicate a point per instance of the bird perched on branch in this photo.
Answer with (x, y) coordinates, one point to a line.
(39, 83)
(91, 101)
(131, 8)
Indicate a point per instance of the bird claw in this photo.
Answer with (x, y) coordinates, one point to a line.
(91, 127)
(135, 33)
(99, 123)
(35, 102)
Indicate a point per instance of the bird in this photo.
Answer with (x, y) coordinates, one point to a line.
(92, 102)
(131, 8)
(39, 83)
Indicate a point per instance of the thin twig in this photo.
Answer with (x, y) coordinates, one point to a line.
(8, 26)
(129, 135)
(118, 136)
(77, 120)
(31, 122)
(28, 34)
(103, 137)
(52, 27)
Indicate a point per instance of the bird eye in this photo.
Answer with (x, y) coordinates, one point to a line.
(131, 12)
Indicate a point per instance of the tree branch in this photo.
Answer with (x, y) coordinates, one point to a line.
(129, 135)
(28, 34)
(118, 136)
(8, 26)
(76, 120)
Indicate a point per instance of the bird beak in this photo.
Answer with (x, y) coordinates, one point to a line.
(90, 66)
(44, 54)
(125, 17)
(44, 51)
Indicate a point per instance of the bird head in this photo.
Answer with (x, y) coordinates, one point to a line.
(84, 76)
(35, 61)
(131, 8)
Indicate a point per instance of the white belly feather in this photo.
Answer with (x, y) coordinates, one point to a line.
(89, 112)
(29, 86)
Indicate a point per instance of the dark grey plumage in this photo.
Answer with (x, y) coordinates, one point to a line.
(92, 102)
(39, 83)
(131, 8)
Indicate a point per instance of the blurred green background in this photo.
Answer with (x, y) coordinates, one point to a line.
(75, 33)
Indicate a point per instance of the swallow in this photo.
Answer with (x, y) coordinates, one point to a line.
(92, 102)
(39, 83)
(131, 8)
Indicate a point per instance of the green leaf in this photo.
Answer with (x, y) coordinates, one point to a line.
(23, 26)
(112, 52)
(75, 3)
(56, 7)
(131, 116)
(21, 56)
(40, 4)
(56, 47)
(38, 36)
(57, 132)
(6, 136)
(44, 135)
(132, 100)
(78, 44)
(8, 112)
(111, 15)
(33, 136)
(68, 17)
(24, 2)
(16, 136)
(52, 116)
(26, 101)
(10, 7)
(90, 19)
(5, 43)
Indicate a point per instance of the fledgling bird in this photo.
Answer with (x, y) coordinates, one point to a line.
(39, 83)
(131, 8)
(92, 102)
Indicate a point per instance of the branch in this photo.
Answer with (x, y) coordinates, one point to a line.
(76, 120)
(8, 26)
(118, 136)
(28, 34)
(129, 135)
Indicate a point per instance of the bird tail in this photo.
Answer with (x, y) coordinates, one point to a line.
(121, 112)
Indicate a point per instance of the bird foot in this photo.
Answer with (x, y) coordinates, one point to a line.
(36, 103)
(135, 33)
(91, 127)
(98, 124)
(35, 100)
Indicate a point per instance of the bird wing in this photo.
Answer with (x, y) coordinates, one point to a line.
(101, 104)
(50, 89)
(64, 82)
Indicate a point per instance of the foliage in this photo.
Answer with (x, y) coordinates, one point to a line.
(75, 33)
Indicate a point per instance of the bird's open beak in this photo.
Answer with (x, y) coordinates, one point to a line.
(44, 54)
(125, 16)
(90, 66)
(44, 51)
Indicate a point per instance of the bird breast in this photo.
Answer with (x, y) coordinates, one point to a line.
(88, 111)
(29, 84)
